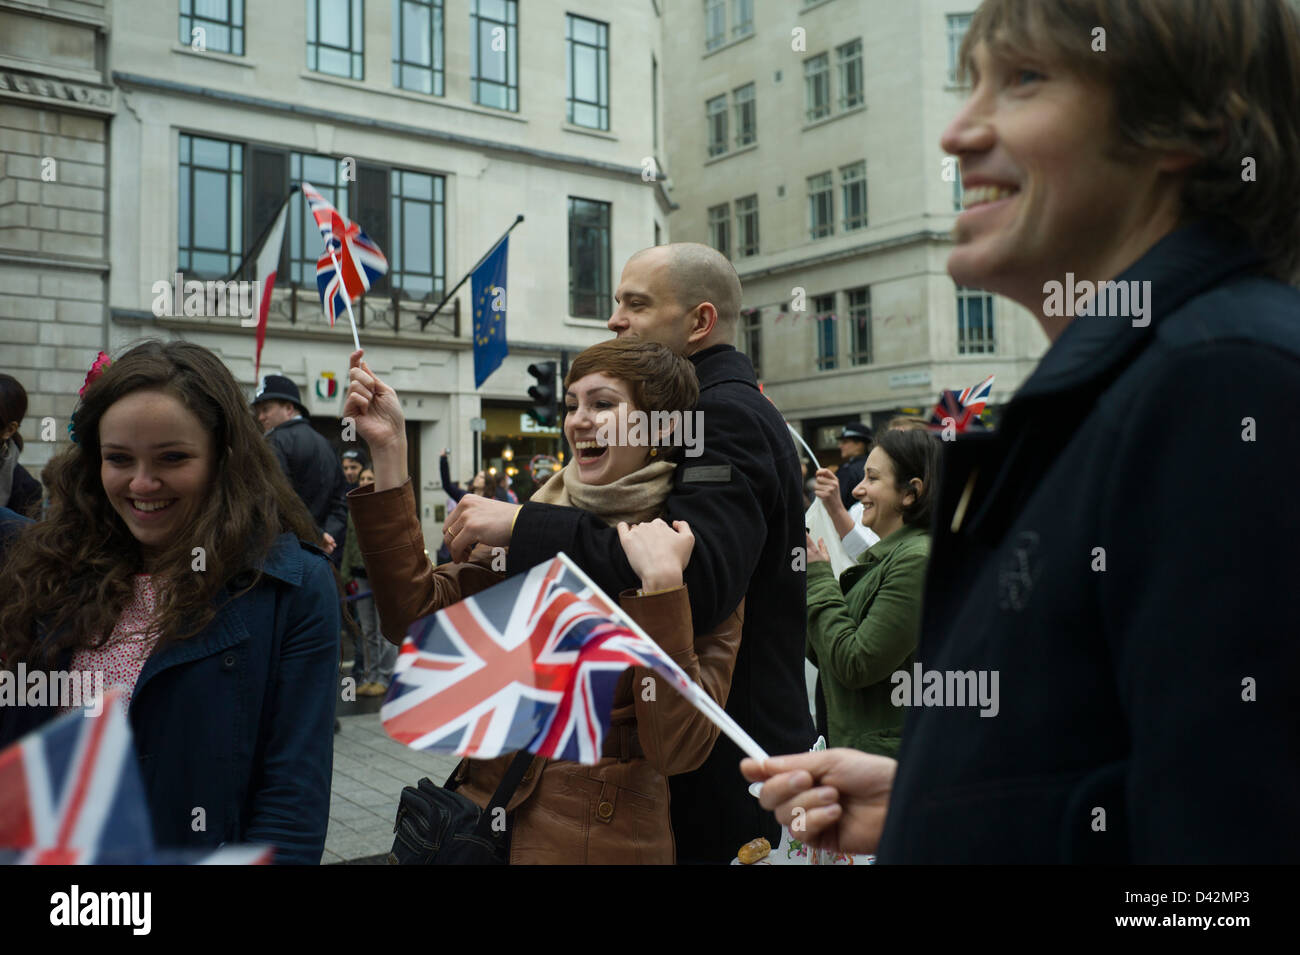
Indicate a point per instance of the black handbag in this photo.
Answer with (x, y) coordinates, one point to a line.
(438, 826)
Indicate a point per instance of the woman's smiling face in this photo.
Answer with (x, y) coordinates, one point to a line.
(156, 465)
(599, 405)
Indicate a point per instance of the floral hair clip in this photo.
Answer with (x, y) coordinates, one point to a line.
(102, 361)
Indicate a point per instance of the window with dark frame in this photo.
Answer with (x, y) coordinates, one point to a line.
(817, 87)
(751, 331)
(417, 223)
(590, 294)
(494, 57)
(747, 226)
(974, 322)
(821, 206)
(587, 66)
(715, 23)
(853, 189)
(716, 111)
(859, 300)
(849, 62)
(222, 23)
(720, 228)
(305, 246)
(418, 46)
(825, 324)
(211, 206)
(335, 37)
(746, 115)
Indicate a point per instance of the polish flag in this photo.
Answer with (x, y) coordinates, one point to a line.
(268, 261)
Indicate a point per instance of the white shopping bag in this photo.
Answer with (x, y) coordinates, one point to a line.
(819, 526)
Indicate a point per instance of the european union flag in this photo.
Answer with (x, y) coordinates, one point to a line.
(488, 292)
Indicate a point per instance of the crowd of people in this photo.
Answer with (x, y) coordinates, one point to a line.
(1141, 621)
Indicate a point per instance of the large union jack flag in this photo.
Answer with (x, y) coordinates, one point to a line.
(962, 407)
(70, 794)
(360, 260)
(531, 663)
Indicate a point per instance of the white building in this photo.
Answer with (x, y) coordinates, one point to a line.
(805, 145)
(432, 124)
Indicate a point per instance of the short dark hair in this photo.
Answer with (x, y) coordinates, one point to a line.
(914, 454)
(13, 404)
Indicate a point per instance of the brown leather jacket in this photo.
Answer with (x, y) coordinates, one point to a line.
(615, 812)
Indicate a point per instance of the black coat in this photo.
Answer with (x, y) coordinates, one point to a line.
(743, 501)
(1158, 687)
(24, 494)
(315, 473)
(850, 475)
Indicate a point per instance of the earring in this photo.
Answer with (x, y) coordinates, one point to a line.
(653, 452)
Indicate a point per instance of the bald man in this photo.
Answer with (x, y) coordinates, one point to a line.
(743, 499)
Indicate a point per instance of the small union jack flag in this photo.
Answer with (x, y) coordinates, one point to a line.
(531, 663)
(961, 408)
(360, 260)
(70, 794)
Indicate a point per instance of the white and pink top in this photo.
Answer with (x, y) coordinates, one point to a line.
(128, 648)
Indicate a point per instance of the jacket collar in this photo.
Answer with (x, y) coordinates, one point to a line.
(887, 545)
(720, 363)
(284, 561)
(288, 424)
(1179, 266)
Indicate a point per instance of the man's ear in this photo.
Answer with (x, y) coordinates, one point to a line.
(703, 318)
(8, 431)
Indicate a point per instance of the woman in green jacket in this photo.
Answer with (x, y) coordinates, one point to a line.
(864, 626)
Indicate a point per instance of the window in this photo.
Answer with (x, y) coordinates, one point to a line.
(716, 110)
(589, 289)
(720, 228)
(654, 100)
(817, 86)
(417, 45)
(853, 191)
(416, 224)
(210, 204)
(588, 71)
(974, 322)
(715, 23)
(494, 61)
(746, 115)
(747, 226)
(216, 25)
(860, 325)
(958, 23)
(334, 37)
(956, 193)
(751, 337)
(305, 246)
(742, 18)
(824, 322)
(849, 62)
(821, 206)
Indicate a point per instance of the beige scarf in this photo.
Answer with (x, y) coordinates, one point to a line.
(634, 498)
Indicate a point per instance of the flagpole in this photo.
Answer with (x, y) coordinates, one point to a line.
(799, 438)
(257, 243)
(430, 317)
(347, 299)
(695, 693)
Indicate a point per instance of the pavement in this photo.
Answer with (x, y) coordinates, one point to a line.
(370, 770)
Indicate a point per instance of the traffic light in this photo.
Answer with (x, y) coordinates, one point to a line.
(546, 405)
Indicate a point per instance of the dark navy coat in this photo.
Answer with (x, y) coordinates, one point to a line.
(238, 721)
(1122, 551)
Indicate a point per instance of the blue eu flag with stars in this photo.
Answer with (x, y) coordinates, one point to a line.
(488, 288)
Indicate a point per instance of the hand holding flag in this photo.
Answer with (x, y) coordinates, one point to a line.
(961, 407)
(352, 261)
(530, 663)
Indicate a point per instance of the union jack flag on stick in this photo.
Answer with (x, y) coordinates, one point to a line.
(961, 407)
(70, 794)
(530, 664)
(352, 261)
